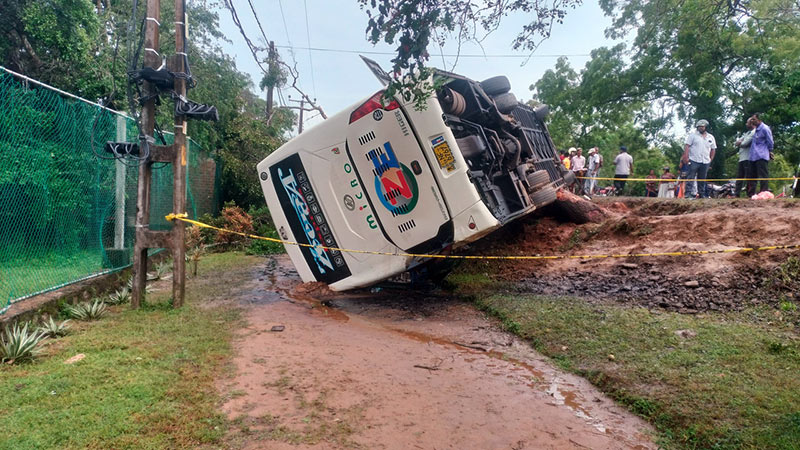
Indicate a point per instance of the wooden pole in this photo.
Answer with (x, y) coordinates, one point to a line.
(151, 59)
(179, 164)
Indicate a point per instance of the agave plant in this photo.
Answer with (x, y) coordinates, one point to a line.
(53, 329)
(19, 343)
(88, 311)
(123, 295)
(163, 268)
(129, 286)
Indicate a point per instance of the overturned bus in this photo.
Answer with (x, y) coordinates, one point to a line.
(382, 176)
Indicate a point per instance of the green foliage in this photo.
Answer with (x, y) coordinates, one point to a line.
(53, 329)
(163, 268)
(147, 381)
(237, 220)
(55, 41)
(689, 60)
(19, 343)
(122, 295)
(262, 223)
(789, 270)
(88, 311)
(414, 24)
(711, 391)
(129, 286)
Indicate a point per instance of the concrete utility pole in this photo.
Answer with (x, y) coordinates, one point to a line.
(272, 69)
(302, 108)
(175, 154)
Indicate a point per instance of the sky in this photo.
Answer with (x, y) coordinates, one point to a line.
(338, 79)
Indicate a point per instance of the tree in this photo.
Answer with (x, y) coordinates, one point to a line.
(591, 109)
(51, 40)
(413, 24)
(82, 47)
(719, 60)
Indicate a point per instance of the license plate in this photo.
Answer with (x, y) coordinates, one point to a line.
(445, 156)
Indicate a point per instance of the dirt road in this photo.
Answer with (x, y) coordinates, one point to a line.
(396, 370)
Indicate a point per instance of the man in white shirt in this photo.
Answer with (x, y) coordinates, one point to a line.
(623, 166)
(593, 170)
(579, 169)
(698, 152)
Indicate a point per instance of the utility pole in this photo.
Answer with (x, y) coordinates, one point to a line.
(176, 154)
(140, 246)
(302, 108)
(272, 70)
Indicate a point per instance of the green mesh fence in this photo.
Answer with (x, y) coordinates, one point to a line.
(66, 215)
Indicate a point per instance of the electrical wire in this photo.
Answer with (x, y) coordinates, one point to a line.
(308, 41)
(288, 39)
(449, 55)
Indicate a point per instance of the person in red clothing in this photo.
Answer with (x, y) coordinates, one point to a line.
(651, 187)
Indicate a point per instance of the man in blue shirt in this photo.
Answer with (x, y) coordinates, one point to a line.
(760, 150)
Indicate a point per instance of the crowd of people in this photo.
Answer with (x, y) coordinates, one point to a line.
(755, 150)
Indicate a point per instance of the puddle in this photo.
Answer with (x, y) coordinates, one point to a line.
(470, 386)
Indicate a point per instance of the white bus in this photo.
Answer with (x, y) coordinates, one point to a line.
(385, 177)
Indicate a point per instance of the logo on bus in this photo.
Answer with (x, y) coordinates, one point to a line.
(394, 182)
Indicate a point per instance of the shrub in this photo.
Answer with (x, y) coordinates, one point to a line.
(236, 219)
(209, 236)
(88, 311)
(129, 286)
(262, 222)
(53, 329)
(122, 295)
(19, 344)
(163, 268)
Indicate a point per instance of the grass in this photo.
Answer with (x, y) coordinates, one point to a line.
(733, 385)
(147, 380)
(26, 275)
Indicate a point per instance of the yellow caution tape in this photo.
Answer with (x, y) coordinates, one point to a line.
(184, 218)
(676, 180)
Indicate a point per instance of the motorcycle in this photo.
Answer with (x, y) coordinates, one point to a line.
(727, 190)
(608, 191)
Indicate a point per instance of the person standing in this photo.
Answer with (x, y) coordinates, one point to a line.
(760, 150)
(667, 187)
(698, 152)
(744, 161)
(651, 187)
(568, 160)
(578, 162)
(623, 166)
(579, 169)
(594, 168)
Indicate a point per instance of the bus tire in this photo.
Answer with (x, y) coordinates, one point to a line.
(496, 85)
(537, 179)
(544, 197)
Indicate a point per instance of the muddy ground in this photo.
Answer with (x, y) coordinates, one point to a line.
(399, 369)
(403, 368)
(688, 284)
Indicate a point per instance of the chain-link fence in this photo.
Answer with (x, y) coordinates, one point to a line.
(66, 215)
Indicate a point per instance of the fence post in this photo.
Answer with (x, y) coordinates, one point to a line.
(119, 197)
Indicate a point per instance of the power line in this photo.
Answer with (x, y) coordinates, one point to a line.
(288, 39)
(308, 41)
(451, 55)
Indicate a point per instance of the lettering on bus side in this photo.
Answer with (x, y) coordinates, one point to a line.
(307, 220)
(359, 200)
